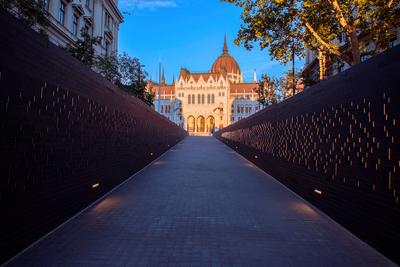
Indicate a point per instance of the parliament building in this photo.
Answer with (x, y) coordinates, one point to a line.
(202, 103)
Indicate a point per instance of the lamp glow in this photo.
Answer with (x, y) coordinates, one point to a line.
(95, 185)
(319, 192)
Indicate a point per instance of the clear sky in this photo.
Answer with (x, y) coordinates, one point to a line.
(187, 33)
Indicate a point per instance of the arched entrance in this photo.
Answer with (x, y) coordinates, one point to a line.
(191, 124)
(201, 124)
(210, 124)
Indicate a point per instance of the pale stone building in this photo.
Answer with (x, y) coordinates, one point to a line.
(204, 102)
(99, 17)
(311, 67)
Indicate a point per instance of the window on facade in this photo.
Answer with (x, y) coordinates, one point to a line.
(341, 67)
(87, 3)
(238, 109)
(183, 94)
(223, 94)
(45, 4)
(107, 21)
(364, 57)
(198, 99)
(162, 109)
(189, 99)
(87, 29)
(394, 42)
(61, 13)
(208, 99)
(202, 99)
(241, 110)
(193, 99)
(342, 37)
(250, 109)
(75, 25)
(108, 48)
(212, 99)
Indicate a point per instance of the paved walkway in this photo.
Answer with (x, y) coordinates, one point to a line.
(201, 204)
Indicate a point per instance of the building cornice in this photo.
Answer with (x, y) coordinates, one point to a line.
(116, 10)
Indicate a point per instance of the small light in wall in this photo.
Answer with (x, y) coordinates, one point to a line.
(151, 154)
(256, 157)
(319, 192)
(95, 185)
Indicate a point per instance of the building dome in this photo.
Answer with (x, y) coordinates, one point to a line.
(225, 62)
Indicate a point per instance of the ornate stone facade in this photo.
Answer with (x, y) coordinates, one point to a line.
(204, 102)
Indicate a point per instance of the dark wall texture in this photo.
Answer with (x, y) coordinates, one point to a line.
(340, 137)
(63, 129)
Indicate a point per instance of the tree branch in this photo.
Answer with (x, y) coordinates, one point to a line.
(330, 47)
(339, 15)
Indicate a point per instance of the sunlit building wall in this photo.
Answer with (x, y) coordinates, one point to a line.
(203, 102)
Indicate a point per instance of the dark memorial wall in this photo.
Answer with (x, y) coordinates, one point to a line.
(67, 136)
(337, 145)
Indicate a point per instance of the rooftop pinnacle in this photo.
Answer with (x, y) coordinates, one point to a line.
(225, 49)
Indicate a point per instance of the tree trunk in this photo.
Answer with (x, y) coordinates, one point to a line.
(323, 70)
(355, 47)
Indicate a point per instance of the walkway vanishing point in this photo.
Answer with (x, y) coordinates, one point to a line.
(200, 204)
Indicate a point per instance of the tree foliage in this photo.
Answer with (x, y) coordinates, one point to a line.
(284, 25)
(84, 48)
(108, 67)
(284, 84)
(31, 12)
(266, 90)
(127, 73)
(133, 78)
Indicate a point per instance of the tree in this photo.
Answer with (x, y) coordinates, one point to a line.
(133, 78)
(266, 91)
(317, 24)
(31, 12)
(285, 84)
(108, 67)
(84, 48)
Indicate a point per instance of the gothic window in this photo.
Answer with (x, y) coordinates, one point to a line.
(208, 99)
(212, 99)
(202, 99)
(193, 99)
(198, 99)
(189, 99)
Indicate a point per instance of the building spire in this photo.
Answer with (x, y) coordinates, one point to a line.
(255, 75)
(163, 77)
(173, 79)
(225, 49)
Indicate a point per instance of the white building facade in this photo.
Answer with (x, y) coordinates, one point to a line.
(100, 18)
(204, 102)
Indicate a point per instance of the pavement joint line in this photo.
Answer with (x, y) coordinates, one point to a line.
(90, 205)
(320, 212)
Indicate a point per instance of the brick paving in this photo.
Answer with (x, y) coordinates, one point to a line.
(201, 204)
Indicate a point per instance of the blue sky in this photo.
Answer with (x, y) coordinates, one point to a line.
(187, 33)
